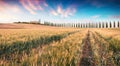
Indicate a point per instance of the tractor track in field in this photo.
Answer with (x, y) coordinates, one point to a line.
(103, 50)
(87, 53)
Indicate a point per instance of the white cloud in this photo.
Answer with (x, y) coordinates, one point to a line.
(96, 16)
(54, 13)
(70, 11)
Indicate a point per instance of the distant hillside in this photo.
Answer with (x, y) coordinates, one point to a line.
(23, 26)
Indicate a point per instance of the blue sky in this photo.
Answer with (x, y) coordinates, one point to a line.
(59, 10)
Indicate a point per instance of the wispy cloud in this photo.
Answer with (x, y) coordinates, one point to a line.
(5, 7)
(33, 6)
(70, 11)
(54, 13)
(30, 3)
(7, 10)
(27, 7)
(115, 16)
(96, 16)
(16, 9)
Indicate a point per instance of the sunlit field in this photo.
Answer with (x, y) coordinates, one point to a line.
(58, 46)
(59, 32)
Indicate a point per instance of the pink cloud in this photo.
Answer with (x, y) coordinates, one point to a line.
(5, 7)
(30, 3)
(59, 10)
(38, 4)
(70, 11)
(54, 13)
(23, 2)
(33, 5)
(7, 10)
(45, 4)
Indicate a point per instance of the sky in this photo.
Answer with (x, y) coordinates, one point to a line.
(59, 11)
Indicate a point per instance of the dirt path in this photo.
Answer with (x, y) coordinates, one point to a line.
(87, 54)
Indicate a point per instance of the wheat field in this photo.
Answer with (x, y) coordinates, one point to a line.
(60, 47)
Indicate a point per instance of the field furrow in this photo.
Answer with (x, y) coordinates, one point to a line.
(102, 52)
(113, 48)
(87, 53)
